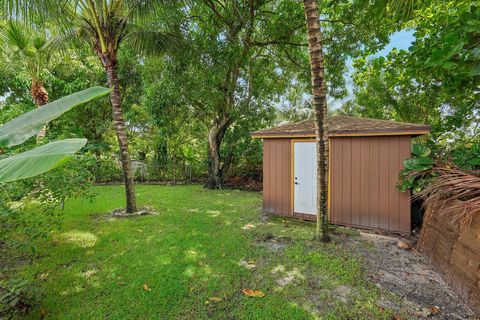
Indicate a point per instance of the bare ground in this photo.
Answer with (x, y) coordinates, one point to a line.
(417, 288)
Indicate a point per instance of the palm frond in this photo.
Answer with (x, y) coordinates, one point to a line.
(39, 40)
(66, 39)
(140, 8)
(400, 10)
(151, 42)
(15, 35)
(404, 9)
(40, 12)
(454, 193)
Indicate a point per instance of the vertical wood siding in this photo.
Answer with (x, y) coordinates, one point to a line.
(364, 177)
(277, 180)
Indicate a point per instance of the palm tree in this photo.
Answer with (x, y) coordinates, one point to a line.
(315, 49)
(105, 25)
(31, 48)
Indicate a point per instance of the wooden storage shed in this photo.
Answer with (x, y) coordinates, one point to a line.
(365, 158)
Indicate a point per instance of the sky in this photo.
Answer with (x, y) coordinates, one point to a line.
(399, 40)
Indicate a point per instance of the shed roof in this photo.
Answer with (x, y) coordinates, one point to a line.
(344, 126)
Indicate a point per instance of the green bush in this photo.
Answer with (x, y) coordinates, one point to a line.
(417, 173)
(30, 208)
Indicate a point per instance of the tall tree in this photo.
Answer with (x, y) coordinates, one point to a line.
(317, 65)
(31, 49)
(434, 81)
(228, 74)
(105, 26)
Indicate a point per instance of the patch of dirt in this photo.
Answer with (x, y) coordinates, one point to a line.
(246, 183)
(274, 243)
(142, 211)
(399, 269)
(286, 276)
(342, 293)
(121, 213)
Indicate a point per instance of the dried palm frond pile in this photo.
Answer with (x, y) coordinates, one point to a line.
(455, 194)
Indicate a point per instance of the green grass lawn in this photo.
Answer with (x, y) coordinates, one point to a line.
(186, 262)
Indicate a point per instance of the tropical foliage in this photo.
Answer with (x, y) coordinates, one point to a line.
(189, 81)
(46, 157)
(435, 81)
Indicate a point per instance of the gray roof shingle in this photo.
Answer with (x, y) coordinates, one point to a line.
(344, 125)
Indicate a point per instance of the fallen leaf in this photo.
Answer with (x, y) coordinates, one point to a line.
(397, 317)
(146, 288)
(215, 299)
(426, 312)
(253, 293)
(434, 310)
(404, 245)
(249, 264)
(44, 276)
(248, 226)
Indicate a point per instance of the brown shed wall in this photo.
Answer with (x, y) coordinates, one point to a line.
(364, 177)
(277, 180)
(363, 181)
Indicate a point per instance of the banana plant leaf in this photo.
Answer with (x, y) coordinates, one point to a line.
(39, 160)
(418, 164)
(22, 128)
(420, 150)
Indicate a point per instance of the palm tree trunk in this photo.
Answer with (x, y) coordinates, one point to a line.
(320, 106)
(119, 126)
(40, 96)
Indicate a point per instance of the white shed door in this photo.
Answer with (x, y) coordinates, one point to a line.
(305, 180)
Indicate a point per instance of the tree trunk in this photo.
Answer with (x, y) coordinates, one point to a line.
(215, 137)
(119, 126)
(320, 106)
(40, 96)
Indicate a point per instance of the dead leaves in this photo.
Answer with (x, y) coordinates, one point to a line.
(430, 311)
(246, 291)
(146, 287)
(248, 226)
(434, 310)
(213, 299)
(253, 293)
(44, 276)
(404, 245)
(249, 264)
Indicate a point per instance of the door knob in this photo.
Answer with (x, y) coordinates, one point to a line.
(296, 182)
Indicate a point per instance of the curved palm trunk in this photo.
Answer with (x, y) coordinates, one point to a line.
(119, 126)
(40, 96)
(320, 106)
